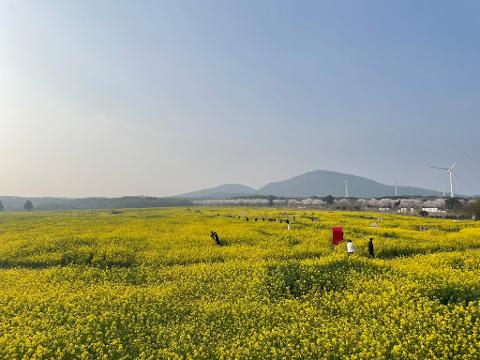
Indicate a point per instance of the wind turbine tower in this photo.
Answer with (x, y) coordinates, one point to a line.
(451, 172)
(396, 189)
(346, 188)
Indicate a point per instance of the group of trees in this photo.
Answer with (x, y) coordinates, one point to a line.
(470, 208)
(473, 209)
(456, 206)
(463, 207)
(28, 206)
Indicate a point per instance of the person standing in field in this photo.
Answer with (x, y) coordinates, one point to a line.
(371, 252)
(350, 247)
(214, 236)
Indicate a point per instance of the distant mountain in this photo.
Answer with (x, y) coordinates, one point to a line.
(314, 183)
(323, 183)
(221, 192)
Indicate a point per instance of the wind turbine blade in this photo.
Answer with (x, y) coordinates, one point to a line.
(458, 183)
(460, 159)
(439, 168)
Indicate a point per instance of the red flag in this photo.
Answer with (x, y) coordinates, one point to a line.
(337, 237)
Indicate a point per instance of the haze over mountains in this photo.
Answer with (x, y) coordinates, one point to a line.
(16, 203)
(220, 192)
(315, 183)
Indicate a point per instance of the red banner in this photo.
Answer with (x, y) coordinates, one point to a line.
(337, 232)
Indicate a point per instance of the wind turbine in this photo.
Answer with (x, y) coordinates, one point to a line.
(396, 189)
(451, 172)
(346, 188)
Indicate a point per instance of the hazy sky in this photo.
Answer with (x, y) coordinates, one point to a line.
(163, 97)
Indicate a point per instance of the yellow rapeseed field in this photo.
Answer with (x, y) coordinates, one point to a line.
(152, 284)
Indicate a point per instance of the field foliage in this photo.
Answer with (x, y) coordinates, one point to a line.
(151, 284)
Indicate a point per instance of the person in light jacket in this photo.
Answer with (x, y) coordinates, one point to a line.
(350, 247)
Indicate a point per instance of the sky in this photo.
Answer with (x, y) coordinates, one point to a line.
(114, 98)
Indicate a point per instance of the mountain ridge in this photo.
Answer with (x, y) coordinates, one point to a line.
(315, 183)
(217, 192)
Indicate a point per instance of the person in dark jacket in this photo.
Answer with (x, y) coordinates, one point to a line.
(217, 239)
(371, 252)
(214, 236)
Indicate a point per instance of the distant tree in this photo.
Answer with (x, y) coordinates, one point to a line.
(329, 199)
(1, 206)
(453, 203)
(342, 204)
(270, 199)
(423, 213)
(473, 209)
(28, 206)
